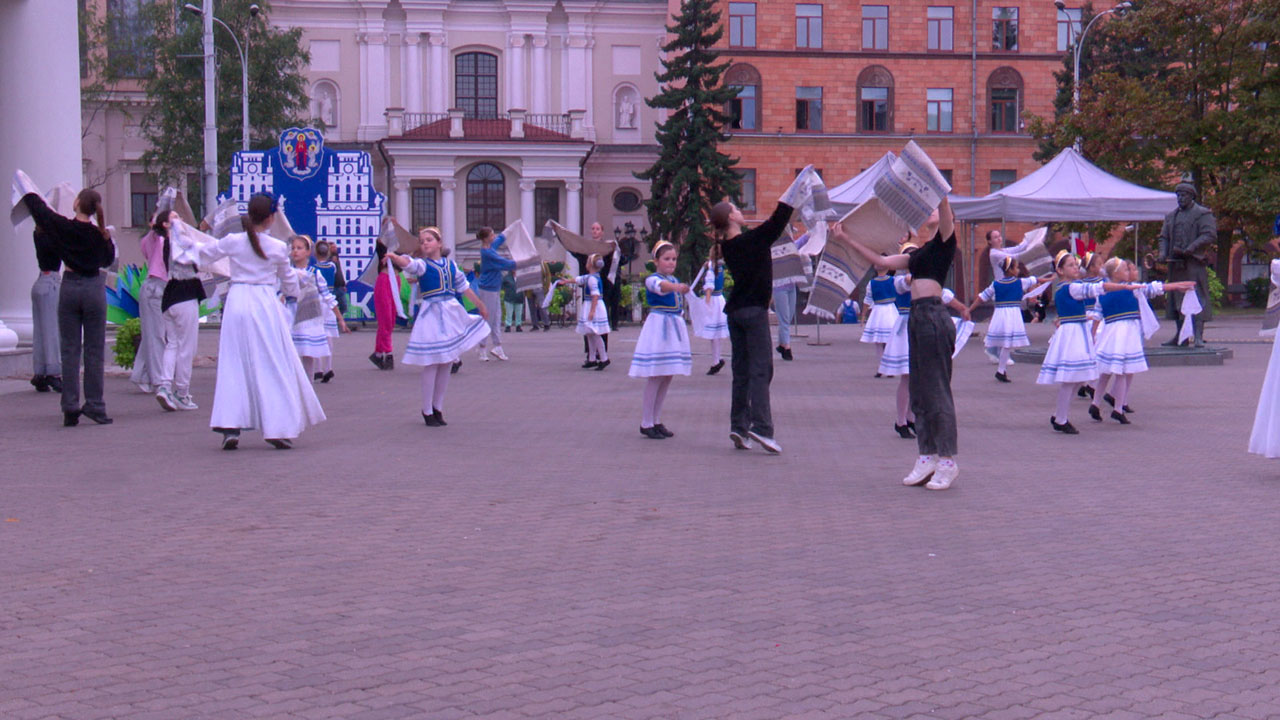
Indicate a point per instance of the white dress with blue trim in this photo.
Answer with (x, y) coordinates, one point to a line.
(309, 336)
(327, 272)
(442, 329)
(1120, 340)
(896, 359)
(1264, 439)
(600, 325)
(710, 322)
(884, 314)
(663, 345)
(1071, 357)
(1006, 329)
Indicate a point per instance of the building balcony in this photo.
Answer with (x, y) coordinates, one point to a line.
(515, 125)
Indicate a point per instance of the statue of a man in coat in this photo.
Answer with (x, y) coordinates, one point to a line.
(1186, 243)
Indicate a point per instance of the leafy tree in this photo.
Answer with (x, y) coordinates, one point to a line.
(1183, 86)
(174, 122)
(691, 174)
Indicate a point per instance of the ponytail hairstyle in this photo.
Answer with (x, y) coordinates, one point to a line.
(1008, 264)
(89, 204)
(594, 263)
(483, 234)
(261, 208)
(720, 220)
(322, 249)
(158, 228)
(713, 257)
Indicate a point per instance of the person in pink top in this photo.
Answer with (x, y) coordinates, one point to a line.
(150, 356)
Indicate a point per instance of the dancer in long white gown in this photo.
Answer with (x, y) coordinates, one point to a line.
(261, 384)
(1265, 438)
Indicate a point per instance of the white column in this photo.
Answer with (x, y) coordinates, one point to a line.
(541, 75)
(573, 205)
(515, 73)
(404, 211)
(40, 135)
(413, 73)
(377, 78)
(448, 227)
(526, 205)
(564, 75)
(589, 88)
(438, 86)
(362, 42)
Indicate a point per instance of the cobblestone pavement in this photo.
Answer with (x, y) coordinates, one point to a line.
(539, 558)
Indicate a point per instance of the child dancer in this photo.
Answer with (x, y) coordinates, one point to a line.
(1070, 359)
(1090, 272)
(180, 308)
(489, 289)
(1007, 330)
(384, 310)
(334, 324)
(662, 350)
(1120, 353)
(714, 325)
(882, 314)
(593, 320)
(261, 383)
(443, 329)
(310, 336)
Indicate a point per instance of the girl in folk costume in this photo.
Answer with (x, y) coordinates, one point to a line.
(895, 359)
(1007, 330)
(1147, 320)
(711, 322)
(261, 384)
(310, 336)
(180, 308)
(443, 329)
(1119, 344)
(593, 319)
(1264, 439)
(1070, 359)
(931, 339)
(84, 247)
(662, 350)
(1090, 272)
(882, 313)
(334, 324)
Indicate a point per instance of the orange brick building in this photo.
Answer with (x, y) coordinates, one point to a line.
(837, 84)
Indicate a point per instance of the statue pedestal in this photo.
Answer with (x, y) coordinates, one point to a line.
(15, 362)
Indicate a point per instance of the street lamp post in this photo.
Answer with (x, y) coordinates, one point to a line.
(1120, 8)
(244, 68)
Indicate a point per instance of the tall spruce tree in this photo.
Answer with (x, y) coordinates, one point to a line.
(691, 174)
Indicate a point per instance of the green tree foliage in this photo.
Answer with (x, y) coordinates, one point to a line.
(174, 122)
(1180, 86)
(691, 174)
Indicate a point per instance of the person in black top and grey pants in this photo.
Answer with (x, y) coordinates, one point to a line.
(46, 355)
(84, 248)
(747, 258)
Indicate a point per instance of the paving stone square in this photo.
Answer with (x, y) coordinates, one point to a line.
(539, 558)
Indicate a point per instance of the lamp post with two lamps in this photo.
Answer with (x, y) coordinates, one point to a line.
(1120, 10)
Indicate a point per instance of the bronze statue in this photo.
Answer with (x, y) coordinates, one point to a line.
(1186, 244)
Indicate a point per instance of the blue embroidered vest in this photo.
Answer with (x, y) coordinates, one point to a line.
(586, 286)
(1070, 310)
(903, 301)
(882, 292)
(719, 286)
(1008, 292)
(1119, 305)
(327, 271)
(671, 302)
(437, 281)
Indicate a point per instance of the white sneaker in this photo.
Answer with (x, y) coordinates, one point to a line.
(925, 467)
(484, 355)
(166, 400)
(740, 441)
(1012, 361)
(944, 476)
(186, 403)
(498, 353)
(767, 443)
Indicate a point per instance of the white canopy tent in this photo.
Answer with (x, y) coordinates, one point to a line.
(1067, 189)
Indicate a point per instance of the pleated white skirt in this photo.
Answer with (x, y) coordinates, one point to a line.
(880, 323)
(662, 348)
(1265, 438)
(1070, 358)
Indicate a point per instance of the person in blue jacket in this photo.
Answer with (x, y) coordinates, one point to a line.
(489, 289)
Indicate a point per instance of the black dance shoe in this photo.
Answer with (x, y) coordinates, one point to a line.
(1002, 377)
(786, 354)
(663, 430)
(98, 417)
(904, 431)
(602, 365)
(376, 359)
(280, 443)
(439, 416)
(1083, 392)
(71, 419)
(326, 377)
(1119, 417)
(454, 368)
(54, 382)
(589, 364)
(430, 420)
(652, 433)
(1066, 428)
(1095, 413)
(40, 383)
(715, 368)
(230, 438)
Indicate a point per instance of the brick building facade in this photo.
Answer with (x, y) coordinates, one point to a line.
(838, 84)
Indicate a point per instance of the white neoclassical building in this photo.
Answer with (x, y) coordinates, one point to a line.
(476, 112)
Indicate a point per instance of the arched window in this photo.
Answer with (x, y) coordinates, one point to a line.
(1004, 98)
(875, 99)
(486, 198)
(475, 84)
(744, 110)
